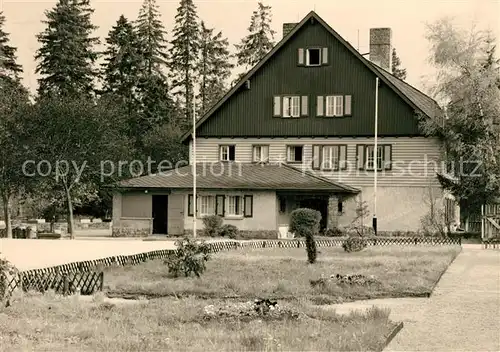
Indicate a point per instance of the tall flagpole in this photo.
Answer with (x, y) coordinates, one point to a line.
(193, 165)
(375, 161)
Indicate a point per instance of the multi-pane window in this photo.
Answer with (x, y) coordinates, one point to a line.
(207, 205)
(329, 157)
(370, 157)
(260, 153)
(222, 205)
(295, 153)
(234, 205)
(227, 152)
(365, 155)
(334, 105)
(291, 106)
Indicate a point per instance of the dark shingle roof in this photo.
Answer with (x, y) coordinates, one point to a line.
(238, 176)
(425, 103)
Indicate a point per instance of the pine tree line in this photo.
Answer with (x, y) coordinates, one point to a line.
(135, 105)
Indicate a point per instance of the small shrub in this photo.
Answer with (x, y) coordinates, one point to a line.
(334, 232)
(229, 231)
(189, 258)
(305, 223)
(354, 244)
(213, 225)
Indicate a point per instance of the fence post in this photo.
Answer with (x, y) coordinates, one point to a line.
(101, 276)
(65, 284)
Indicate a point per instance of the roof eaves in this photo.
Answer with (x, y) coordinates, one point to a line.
(324, 179)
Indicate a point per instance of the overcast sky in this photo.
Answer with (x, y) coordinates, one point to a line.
(407, 18)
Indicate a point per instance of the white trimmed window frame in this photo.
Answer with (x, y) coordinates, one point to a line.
(334, 105)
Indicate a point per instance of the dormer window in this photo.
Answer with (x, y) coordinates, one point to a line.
(313, 57)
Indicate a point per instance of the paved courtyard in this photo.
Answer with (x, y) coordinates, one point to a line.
(463, 314)
(34, 254)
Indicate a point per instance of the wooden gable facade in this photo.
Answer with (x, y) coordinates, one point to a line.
(249, 109)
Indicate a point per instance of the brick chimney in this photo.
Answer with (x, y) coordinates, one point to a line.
(287, 28)
(381, 47)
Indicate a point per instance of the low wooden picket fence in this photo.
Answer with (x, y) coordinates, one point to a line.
(86, 277)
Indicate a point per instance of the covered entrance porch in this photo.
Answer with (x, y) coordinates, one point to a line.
(330, 206)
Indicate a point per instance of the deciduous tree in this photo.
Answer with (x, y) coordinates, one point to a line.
(14, 102)
(78, 139)
(467, 83)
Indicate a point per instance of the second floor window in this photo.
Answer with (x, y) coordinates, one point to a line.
(290, 106)
(227, 153)
(366, 157)
(334, 105)
(260, 153)
(295, 153)
(329, 157)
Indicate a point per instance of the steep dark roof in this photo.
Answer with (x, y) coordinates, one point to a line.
(412, 96)
(425, 103)
(238, 176)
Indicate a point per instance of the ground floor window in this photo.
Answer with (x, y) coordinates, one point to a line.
(222, 205)
(234, 206)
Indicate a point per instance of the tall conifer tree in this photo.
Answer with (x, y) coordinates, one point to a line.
(67, 55)
(214, 67)
(121, 67)
(184, 61)
(8, 65)
(397, 70)
(259, 41)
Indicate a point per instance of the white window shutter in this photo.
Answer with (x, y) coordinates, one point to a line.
(320, 106)
(304, 106)
(343, 157)
(296, 106)
(301, 56)
(347, 105)
(277, 106)
(324, 56)
(316, 162)
(360, 157)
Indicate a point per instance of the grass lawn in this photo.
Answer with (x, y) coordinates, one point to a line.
(284, 273)
(50, 323)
